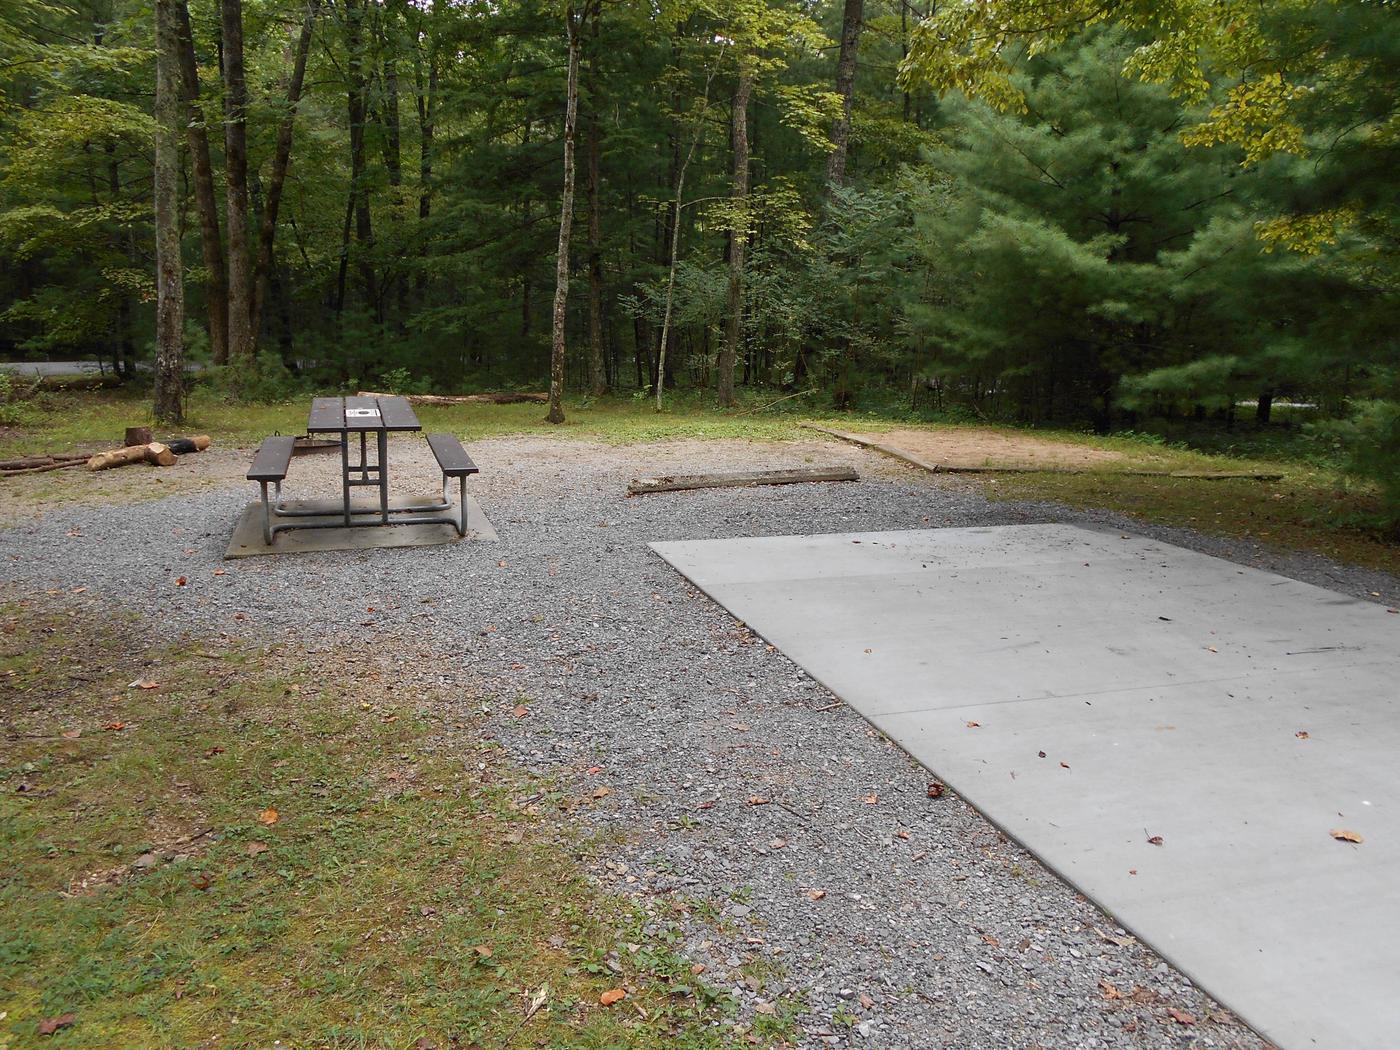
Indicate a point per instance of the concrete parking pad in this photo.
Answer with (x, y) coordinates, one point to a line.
(1176, 735)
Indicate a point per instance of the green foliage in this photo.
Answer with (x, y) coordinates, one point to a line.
(1371, 436)
(264, 380)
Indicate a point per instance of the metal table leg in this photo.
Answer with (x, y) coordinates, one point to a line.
(383, 453)
(345, 473)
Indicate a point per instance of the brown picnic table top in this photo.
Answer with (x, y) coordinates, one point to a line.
(349, 415)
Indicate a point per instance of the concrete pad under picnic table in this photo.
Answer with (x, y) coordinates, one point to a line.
(1089, 691)
(248, 542)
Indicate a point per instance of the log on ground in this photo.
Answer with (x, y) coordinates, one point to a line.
(740, 479)
(508, 397)
(155, 453)
(29, 462)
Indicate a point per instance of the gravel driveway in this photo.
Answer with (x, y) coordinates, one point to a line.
(789, 848)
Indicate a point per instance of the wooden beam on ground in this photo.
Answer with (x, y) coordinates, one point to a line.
(504, 398)
(940, 468)
(741, 479)
(889, 450)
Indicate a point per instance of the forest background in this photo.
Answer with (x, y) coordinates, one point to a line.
(1101, 216)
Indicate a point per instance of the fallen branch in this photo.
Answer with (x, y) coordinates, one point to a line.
(25, 462)
(764, 408)
(41, 468)
(743, 479)
(503, 398)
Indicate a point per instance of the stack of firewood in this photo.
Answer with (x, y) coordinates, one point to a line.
(138, 448)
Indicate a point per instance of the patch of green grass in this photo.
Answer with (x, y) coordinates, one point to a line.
(59, 422)
(1307, 510)
(397, 894)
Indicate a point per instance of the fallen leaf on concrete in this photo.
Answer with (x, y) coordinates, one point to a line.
(871, 800)
(602, 792)
(991, 940)
(268, 816)
(1302, 734)
(866, 1001)
(1181, 1016)
(1064, 765)
(220, 572)
(902, 834)
(974, 725)
(50, 1025)
(755, 800)
(521, 711)
(778, 843)
(1154, 840)
(612, 995)
(816, 895)
(1109, 991)
(180, 582)
(936, 789)
(1343, 835)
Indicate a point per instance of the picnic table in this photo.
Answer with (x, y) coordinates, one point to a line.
(348, 418)
(344, 416)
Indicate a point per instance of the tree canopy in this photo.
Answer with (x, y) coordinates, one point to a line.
(1082, 213)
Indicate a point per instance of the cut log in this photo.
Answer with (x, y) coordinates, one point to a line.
(180, 446)
(154, 452)
(118, 457)
(741, 479)
(137, 436)
(160, 455)
(503, 398)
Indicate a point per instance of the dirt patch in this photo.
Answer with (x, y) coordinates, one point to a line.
(978, 447)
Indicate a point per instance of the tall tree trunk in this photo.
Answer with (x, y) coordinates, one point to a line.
(427, 118)
(170, 289)
(676, 207)
(390, 39)
(281, 158)
(597, 370)
(566, 220)
(356, 90)
(845, 87)
(240, 278)
(206, 202)
(738, 240)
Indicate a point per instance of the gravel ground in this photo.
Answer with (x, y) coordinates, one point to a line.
(792, 850)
